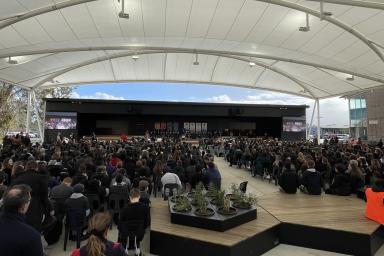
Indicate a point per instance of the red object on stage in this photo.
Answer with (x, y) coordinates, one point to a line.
(124, 137)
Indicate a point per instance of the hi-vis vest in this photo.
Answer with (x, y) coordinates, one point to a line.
(375, 206)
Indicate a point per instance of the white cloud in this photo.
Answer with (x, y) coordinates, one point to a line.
(96, 95)
(221, 98)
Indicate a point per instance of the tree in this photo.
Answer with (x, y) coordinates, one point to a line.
(13, 106)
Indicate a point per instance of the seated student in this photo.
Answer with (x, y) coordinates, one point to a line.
(170, 178)
(356, 176)
(144, 196)
(2, 186)
(94, 188)
(288, 180)
(119, 186)
(17, 238)
(98, 244)
(77, 200)
(135, 211)
(212, 175)
(62, 191)
(341, 183)
(311, 180)
(375, 201)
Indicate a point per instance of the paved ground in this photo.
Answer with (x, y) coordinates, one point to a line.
(229, 175)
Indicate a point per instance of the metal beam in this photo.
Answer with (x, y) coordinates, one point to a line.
(337, 68)
(126, 54)
(170, 81)
(313, 114)
(35, 106)
(17, 18)
(14, 84)
(28, 121)
(364, 4)
(334, 21)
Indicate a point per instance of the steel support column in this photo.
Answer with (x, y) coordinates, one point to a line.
(318, 121)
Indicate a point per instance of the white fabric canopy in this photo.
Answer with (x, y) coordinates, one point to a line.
(72, 42)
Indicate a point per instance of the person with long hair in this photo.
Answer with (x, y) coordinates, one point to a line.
(97, 244)
(357, 177)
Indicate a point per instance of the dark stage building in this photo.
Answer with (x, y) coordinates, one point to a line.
(110, 117)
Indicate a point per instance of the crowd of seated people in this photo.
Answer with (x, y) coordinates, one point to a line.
(84, 176)
(333, 168)
(340, 169)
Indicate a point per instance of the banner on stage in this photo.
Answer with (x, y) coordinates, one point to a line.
(204, 127)
(198, 127)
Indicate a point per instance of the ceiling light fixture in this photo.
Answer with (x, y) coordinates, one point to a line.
(135, 57)
(122, 13)
(12, 61)
(251, 63)
(351, 78)
(306, 28)
(196, 62)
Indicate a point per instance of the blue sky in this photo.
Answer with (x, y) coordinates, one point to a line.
(333, 111)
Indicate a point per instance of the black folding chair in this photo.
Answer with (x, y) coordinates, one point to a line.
(75, 222)
(94, 203)
(131, 233)
(116, 203)
(243, 186)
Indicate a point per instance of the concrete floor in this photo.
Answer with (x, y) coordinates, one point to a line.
(229, 175)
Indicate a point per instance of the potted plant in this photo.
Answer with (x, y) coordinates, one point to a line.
(226, 209)
(198, 195)
(212, 191)
(235, 194)
(203, 210)
(177, 196)
(245, 202)
(219, 200)
(198, 190)
(182, 205)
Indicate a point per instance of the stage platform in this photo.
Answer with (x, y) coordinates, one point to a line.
(252, 238)
(325, 222)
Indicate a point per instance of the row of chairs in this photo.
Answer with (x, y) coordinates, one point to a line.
(75, 219)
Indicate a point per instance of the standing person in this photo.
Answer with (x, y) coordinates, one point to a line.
(98, 244)
(40, 205)
(16, 237)
(311, 180)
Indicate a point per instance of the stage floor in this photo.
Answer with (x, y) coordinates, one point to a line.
(325, 222)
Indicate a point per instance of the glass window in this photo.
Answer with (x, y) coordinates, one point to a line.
(358, 103)
(363, 103)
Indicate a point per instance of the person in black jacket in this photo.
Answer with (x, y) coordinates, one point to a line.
(135, 211)
(311, 180)
(40, 205)
(16, 237)
(288, 180)
(341, 184)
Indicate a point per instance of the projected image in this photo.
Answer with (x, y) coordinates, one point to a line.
(292, 125)
(60, 120)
